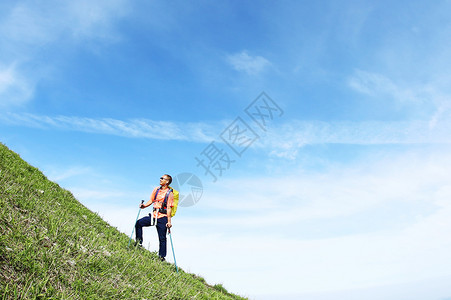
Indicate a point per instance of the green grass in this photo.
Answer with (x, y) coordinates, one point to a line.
(53, 247)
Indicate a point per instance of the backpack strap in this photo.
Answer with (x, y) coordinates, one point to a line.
(165, 203)
(163, 208)
(156, 194)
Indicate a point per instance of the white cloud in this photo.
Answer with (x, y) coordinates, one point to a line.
(376, 223)
(135, 128)
(95, 19)
(283, 141)
(60, 175)
(415, 181)
(286, 139)
(424, 96)
(27, 28)
(252, 65)
(92, 187)
(37, 24)
(28, 25)
(95, 195)
(372, 84)
(14, 89)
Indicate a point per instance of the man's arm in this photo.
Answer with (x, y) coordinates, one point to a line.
(149, 203)
(169, 210)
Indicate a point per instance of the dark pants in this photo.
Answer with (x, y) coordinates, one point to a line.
(161, 229)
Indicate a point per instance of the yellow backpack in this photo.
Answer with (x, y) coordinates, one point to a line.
(176, 201)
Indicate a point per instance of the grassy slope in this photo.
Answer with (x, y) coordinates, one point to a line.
(51, 246)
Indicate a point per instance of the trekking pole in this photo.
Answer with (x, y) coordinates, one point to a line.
(172, 245)
(142, 202)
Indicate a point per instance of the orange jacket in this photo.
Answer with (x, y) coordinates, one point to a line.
(158, 202)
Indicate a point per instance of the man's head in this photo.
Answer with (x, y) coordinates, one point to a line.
(165, 179)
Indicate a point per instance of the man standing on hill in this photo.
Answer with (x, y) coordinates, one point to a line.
(163, 199)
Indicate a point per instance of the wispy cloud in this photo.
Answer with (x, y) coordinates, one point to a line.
(282, 140)
(28, 28)
(134, 128)
(252, 65)
(14, 89)
(285, 140)
(376, 85)
(412, 180)
(60, 175)
(95, 19)
(30, 25)
(427, 97)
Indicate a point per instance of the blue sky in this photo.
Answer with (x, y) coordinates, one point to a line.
(343, 192)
